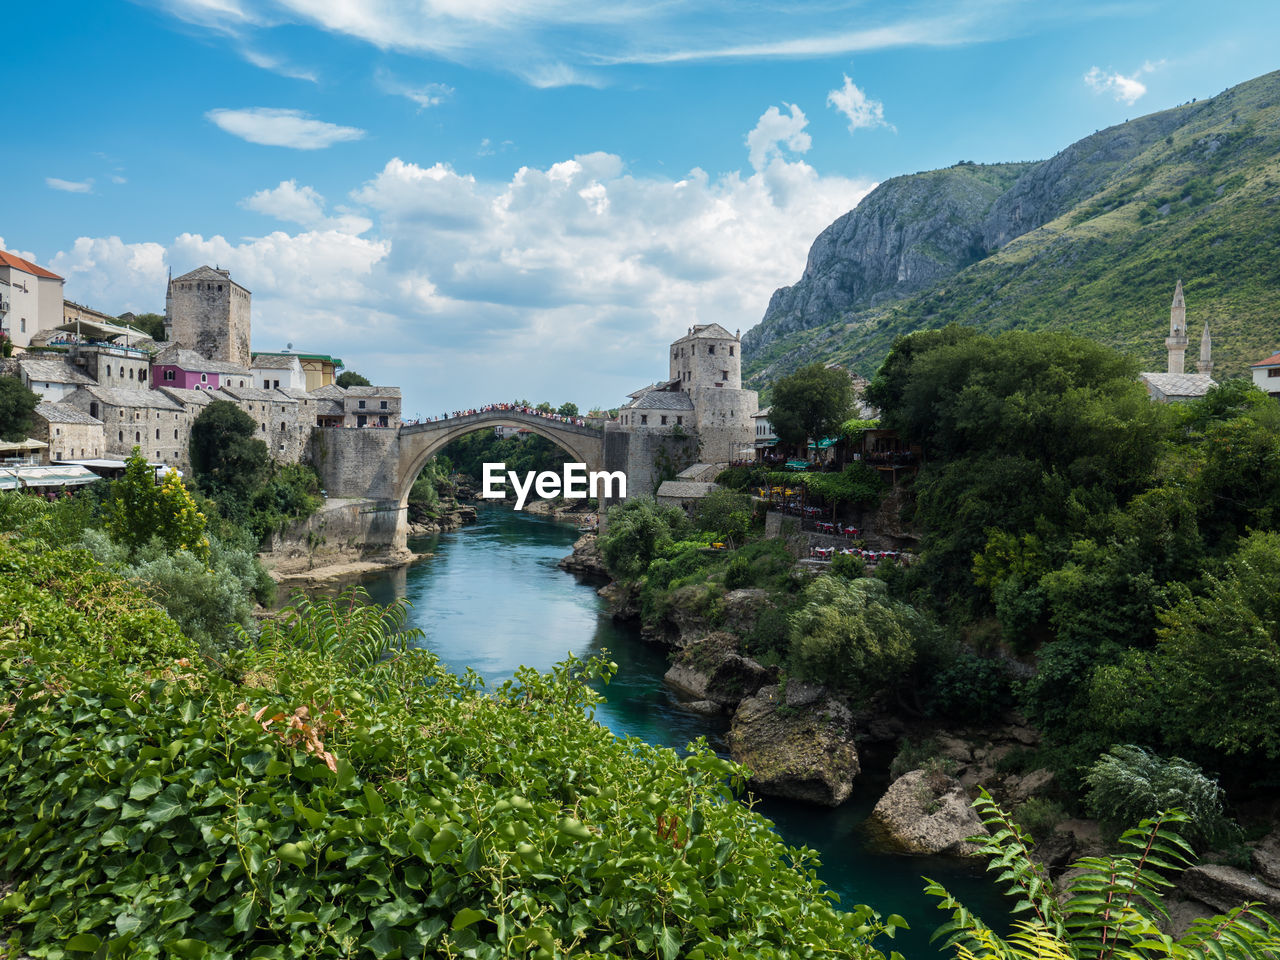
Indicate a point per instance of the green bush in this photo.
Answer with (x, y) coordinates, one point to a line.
(913, 755)
(971, 688)
(1130, 783)
(1040, 816)
(848, 566)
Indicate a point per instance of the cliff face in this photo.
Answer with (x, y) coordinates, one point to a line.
(1091, 239)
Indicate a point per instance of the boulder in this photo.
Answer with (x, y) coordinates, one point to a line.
(736, 677)
(1225, 888)
(743, 607)
(1056, 851)
(624, 602)
(586, 558)
(708, 708)
(688, 680)
(1266, 859)
(1035, 783)
(801, 753)
(926, 813)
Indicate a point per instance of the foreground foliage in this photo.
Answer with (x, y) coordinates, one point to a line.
(1113, 908)
(340, 794)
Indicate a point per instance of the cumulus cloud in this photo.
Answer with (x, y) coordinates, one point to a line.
(858, 108)
(1125, 89)
(775, 129)
(70, 186)
(282, 128)
(561, 281)
(24, 254)
(106, 270)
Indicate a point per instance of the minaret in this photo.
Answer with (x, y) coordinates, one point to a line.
(1177, 339)
(168, 308)
(1205, 364)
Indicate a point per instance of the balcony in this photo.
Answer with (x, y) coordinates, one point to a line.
(4, 306)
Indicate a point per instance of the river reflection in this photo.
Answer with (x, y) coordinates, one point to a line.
(492, 598)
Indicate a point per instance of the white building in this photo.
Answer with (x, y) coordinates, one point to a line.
(30, 298)
(1175, 384)
(1266, 375)
(278, 371)
(51, 378)
(765, 438)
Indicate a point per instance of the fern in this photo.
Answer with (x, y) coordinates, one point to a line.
(1114, 908)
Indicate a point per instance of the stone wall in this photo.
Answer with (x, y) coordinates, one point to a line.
(356, 463)
(343, 529)
(70, 441)
(724, 422)
(212, 318)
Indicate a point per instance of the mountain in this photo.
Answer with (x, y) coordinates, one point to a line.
(1091, 240)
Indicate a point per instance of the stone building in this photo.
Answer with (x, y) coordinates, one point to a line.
(176, 366)
(208, 312)
(281, 424)
(71, 434)
(278, 371)
(372, 406)
(51, 377)
(137, 417)
(318, 369)
(30, 298)
(1175, 384)
(112, 365)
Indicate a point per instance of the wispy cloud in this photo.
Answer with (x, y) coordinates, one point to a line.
(425, 95)
(276, 65)
(275, 127)
(1125, 89)
(858, 108)
(70, 186)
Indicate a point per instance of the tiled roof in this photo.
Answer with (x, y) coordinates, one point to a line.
(329, 391)
(253, 393)
(662, 400)
(684, 489)
(26, 266)
(708, 331)
(176, 356)
(64, 413)
(52, 370)
(207, 272)
(132, 397)
(328, 408)
(1271, 361)
(761, 413)
(297, 393)
(373, 391)
(274, 361)
(1179, 384)
(184, 396)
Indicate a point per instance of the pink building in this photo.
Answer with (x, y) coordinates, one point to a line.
(187, 370)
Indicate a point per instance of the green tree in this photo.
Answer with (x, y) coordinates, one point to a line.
(140, 511)
(811, 403)
(636, 532)
(349, 378)
(568, 409)
(152, 324)
(17, 405)
(227, 458)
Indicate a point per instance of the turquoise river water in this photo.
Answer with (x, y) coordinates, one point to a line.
(492, 598)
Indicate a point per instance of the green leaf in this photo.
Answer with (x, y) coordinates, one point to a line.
(84, 941)
(669, 944)
(292, 853)
(144, 788)
(188, 949)
(466, 917)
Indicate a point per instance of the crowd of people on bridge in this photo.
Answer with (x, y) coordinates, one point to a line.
(510, 408)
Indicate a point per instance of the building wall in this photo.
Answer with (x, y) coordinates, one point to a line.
(356, 463)
(1267, 379)
(162, 435)
(318, 374)
(212, 318)
(114, 366)
(704, 361)
(71, 441)
(52, 392)
(184, 379)
(273, 378)
(372, 411)
(724, 421)
(35, 303)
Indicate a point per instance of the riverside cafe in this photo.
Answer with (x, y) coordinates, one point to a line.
(20, 469)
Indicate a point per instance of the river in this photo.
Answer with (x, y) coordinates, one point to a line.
(492, 598)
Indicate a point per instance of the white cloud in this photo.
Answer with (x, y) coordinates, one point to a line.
(118, 178)
(282, 128)
(1124, 89)
(425, 95)
(858, 108)
(563, 281)
(774, 129)
(267, 62)
(70, 186)
(24, 254)
(114, 275)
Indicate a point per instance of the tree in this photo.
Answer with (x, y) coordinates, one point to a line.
(226, 455)
(811, 403)
(17, 404)
(152, 324)
(636, 532)
(140, 511)
(349, 378)
(569, 409)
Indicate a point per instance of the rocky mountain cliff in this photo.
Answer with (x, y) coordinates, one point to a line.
(1091, 239)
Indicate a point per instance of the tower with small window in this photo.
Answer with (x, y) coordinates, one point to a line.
(208, 312)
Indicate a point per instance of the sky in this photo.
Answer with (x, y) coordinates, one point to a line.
(485, 200)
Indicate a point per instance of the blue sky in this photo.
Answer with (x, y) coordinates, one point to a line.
(485, 199)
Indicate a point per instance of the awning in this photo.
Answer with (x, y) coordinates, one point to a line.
(103, 331)
(61, 475)
(21, 446)
(823, 444)
(767, 443)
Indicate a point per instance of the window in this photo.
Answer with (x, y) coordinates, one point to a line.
(644, 418)
(281, 424)
(731, 351)
(266, 384)
(1274, 372)
(711, 350)
(108, 370)
(122, 436)
(93, 408)
(137, 436)
(679, 421)
(130, 373)
(724, 374)
(142, 375)
(384, 404)
(664, 420)
(204, 378)
(175, 434)
(57, 432)
(169, 376)
(276, 384)
(23, 322)
(242, 383)
(361, 404)
(264, 428)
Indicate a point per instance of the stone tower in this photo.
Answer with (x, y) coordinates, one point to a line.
(1205, 363)
(1176, 342)
(208, 312)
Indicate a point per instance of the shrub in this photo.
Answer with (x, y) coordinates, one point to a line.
(971, 688)
(1130, 783)
(1040, 816)
(913, 755)
(848, 566)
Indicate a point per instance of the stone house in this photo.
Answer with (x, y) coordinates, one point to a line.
(176, 366)
(208, 312)
(71, 434)
(372, 406)
(137, 417)
(51, 377)
(279, 420)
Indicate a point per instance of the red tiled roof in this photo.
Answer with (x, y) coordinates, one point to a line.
(1271, 361)
(26, 266)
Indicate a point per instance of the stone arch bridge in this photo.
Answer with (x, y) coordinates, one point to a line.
(380, 464)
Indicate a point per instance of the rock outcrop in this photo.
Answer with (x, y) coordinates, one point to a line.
(1225, 888)
(586, 558)
(800, 748)
(926, 812)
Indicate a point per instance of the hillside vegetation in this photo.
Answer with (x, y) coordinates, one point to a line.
(1091, 240)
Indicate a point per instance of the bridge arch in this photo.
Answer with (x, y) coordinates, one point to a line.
(420, 442)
